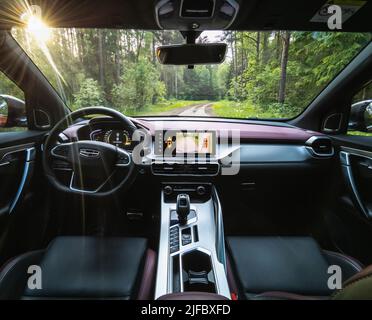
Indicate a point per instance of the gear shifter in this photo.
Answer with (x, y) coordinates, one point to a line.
(183, 208)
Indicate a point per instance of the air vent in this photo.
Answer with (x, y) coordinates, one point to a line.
(197, 8)
(210, 169)
(320, 146)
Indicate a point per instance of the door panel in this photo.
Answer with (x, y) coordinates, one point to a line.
(357, 170)
(16, 167)
(22, 190)
(18, 151)
(349, 217)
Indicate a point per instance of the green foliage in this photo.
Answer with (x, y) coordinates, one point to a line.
(200, 82)
(314, 59)
(243, 109)
(138, 87)
(359, 133)
(119, 68)
(8, 87)
(90, 94)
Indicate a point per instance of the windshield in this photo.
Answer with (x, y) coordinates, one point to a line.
(273, 74)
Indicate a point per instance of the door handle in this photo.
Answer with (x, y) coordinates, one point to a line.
(3, 164)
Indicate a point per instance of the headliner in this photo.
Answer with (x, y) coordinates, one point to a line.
(139, 14)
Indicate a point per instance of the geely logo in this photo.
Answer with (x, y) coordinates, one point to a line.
(89, 153)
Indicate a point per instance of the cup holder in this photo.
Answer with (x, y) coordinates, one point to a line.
(197, 272)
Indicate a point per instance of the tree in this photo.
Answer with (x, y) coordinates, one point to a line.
(275, 72)
(286, 37)
(90, 94)
(138, 86)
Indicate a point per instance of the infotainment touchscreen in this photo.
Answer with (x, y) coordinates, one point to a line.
(176, 143)
(194, 142)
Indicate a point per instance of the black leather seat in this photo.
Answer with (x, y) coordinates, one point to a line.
(284, 267)
(83, 268)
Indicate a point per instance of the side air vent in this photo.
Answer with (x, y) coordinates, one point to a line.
(320, 146)
(209, 169)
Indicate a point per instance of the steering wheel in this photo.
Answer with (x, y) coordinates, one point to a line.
(98, 169)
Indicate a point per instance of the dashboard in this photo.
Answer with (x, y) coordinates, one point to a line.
(273, 145)
(173, 143)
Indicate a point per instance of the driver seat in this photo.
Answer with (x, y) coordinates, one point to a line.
(77, 267)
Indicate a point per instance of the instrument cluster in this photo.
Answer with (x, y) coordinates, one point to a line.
(117, 137)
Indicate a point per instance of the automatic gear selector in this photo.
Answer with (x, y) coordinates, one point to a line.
(183, 208)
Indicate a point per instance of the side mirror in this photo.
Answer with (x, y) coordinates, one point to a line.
(12, 112)
(4, 111)
(361, 116)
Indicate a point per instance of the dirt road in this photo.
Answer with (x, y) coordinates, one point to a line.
(198, 110)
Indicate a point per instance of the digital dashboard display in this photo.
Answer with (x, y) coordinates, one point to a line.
(194, 142)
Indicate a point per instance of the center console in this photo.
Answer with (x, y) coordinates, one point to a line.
(191, 250)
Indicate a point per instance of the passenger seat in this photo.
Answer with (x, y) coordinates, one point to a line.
(284, 267)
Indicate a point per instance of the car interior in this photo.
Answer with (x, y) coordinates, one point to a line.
(187, 205)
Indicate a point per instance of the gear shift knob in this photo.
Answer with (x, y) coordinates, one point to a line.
(183, 207)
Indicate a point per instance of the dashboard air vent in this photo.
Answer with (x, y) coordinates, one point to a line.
(320, 146)
(209, 169)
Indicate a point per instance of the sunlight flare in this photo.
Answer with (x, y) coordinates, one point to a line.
(38, 29)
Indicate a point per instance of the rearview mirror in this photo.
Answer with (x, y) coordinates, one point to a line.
(12, 112)
(192, 54)
(361, 116)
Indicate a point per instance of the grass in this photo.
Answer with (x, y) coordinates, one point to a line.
(13, 129)
(222, 108)
(359, 133)
(161, 107)
(233, 109)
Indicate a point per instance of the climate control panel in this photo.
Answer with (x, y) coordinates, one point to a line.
(198, 192)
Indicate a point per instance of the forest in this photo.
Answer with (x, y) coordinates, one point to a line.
(271, 74)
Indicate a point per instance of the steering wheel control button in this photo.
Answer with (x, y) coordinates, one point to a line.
(63, 138)
(123, 158)
(174, 239)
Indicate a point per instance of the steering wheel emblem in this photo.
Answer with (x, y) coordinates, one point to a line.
(89, 153)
